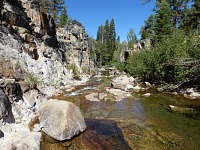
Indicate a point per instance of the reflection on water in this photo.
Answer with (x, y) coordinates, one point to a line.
(138, 110)
(135, 123)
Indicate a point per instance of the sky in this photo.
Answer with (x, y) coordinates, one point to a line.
(126, 14)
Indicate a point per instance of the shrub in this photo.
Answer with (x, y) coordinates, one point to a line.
(165, 61)
(84, 69)
(74, 69)
(31, 81)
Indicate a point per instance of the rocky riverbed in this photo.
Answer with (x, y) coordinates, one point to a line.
(26, 114)
(131, 121)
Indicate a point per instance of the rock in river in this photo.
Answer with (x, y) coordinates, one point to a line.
(61, 119)
(185, 110)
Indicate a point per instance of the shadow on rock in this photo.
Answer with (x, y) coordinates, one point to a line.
(1, 134)
(5, 108)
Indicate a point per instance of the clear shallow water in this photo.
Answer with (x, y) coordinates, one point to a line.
(134, 123)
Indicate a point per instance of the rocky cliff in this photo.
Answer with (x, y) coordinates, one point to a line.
(33, 51)
(31, 44)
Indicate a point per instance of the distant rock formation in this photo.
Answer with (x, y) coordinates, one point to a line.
(143, 44)
(74, 43)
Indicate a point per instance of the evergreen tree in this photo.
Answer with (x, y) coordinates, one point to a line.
(195, 16)
(106, 31)
(63, 21)
(163, 24)
(118, 39)
(106, 41)
(147, 31)
(143, 33)
(54, 7)
(112, 38)
(131, 38)
(177, 8)
(100, 34)
(106, 54)
(45, 6)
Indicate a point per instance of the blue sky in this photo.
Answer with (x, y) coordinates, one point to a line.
(126, 14)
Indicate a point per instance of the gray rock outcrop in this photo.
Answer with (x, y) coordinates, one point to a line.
(29, 44)
(74, 42)
(126, 52)
(61, 119)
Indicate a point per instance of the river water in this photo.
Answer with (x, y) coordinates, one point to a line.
(133, 123)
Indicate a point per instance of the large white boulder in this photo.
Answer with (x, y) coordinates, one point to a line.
(61, 119)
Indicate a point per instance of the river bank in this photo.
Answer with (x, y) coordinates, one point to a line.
(23, 112)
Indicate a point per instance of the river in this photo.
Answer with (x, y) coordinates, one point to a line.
(141, 123)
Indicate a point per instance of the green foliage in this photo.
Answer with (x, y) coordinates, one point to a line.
(194, 46)
(74, 69)
(165, 61)
(191, 20)
(106, 42)
(31, 81)
(112, 38)
(64, 20)
(119, 65)
(147, 31)
(54, 7)
(131, 38)
(136, 64)
(84, 69)
(163, 24)
(175, 54)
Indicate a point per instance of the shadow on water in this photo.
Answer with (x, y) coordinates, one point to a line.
(103, 134)
(100, 134)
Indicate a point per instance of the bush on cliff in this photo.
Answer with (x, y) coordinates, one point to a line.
(31, 81)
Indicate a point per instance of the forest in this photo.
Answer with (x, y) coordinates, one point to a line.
(173, 58)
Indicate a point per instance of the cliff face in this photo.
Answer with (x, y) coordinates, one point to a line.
(29, 43)
(74, 43)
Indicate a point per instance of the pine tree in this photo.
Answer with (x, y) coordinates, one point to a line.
(112, 38)
(54, 7)
(100, 34)
(45, 6)
(163, 24)
(195, 16)
(131, 38)
(106, 30)
(177, 8)
(118, 39)
(147, 31)
(63, 21)
(106, 41)
(106, 54)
